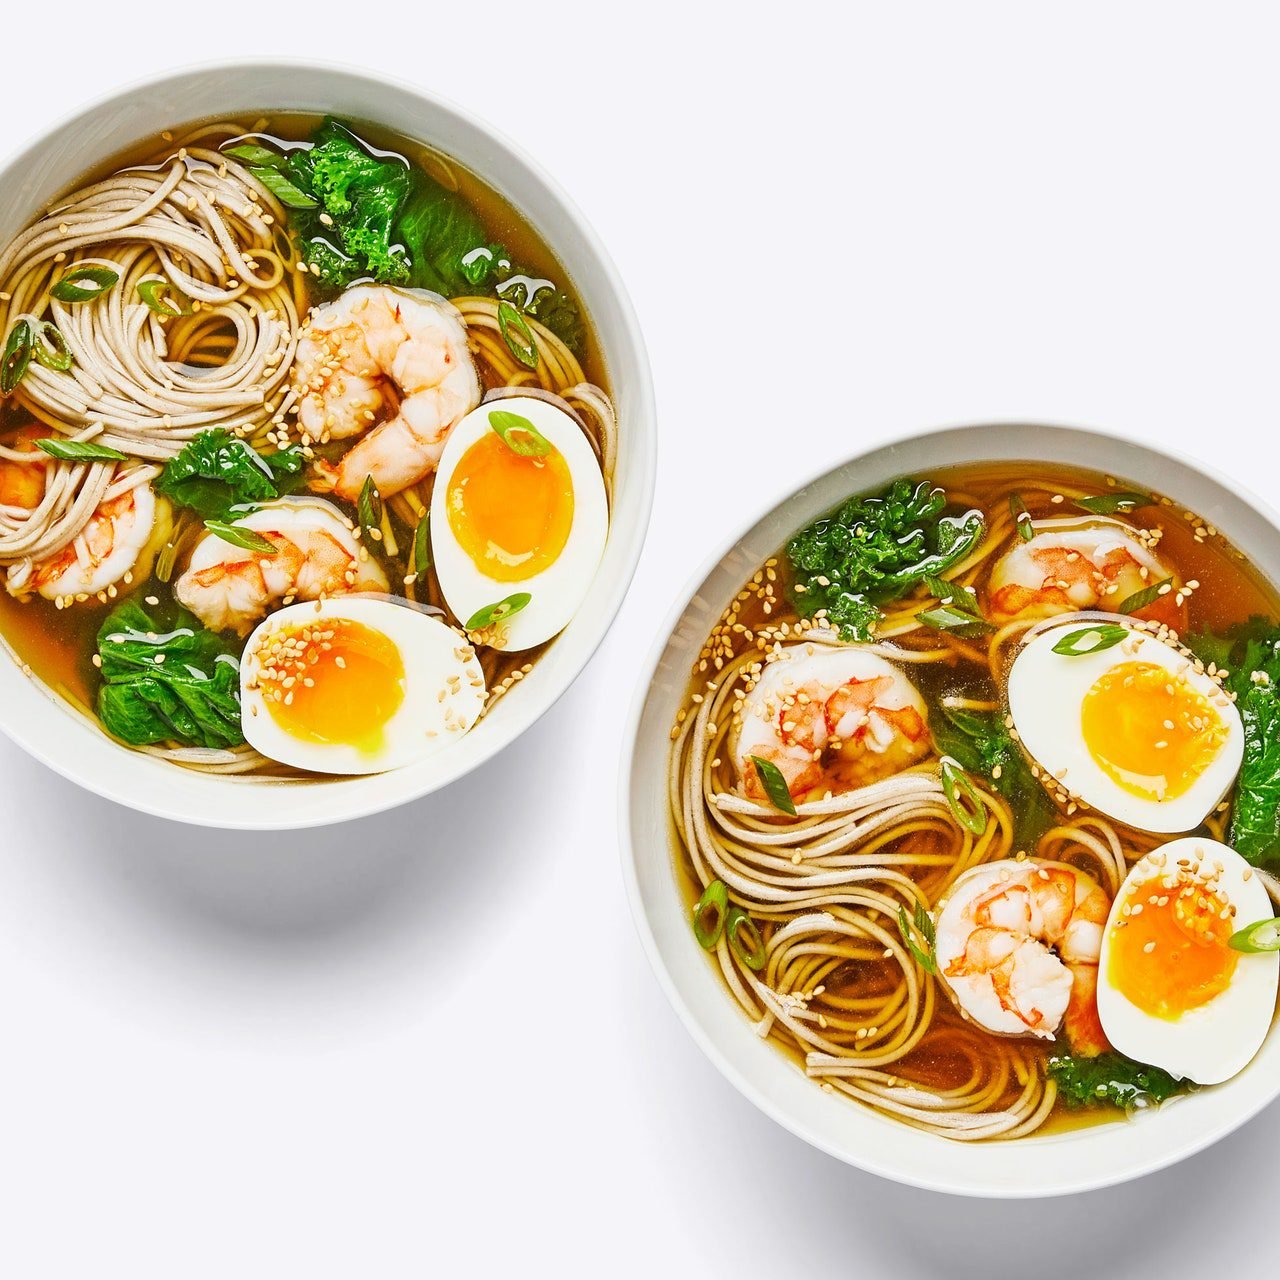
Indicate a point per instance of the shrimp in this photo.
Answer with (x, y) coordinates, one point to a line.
(110, 547)
(1072, 564)
(316, 556)
(399, 355)
(834, 719)
(22, 480)
(1017, 944)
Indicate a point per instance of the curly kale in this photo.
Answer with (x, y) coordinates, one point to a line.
(873, 550)
(1111, 1079)
(365, 215)
(1250, 653)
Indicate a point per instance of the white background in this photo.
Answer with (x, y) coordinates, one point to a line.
(428, 1043)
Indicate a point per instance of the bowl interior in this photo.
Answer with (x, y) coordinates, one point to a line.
(1038, 1165)
(45, 726)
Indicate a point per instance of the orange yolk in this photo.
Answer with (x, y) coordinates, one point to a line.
(509, 513)
(1149, 730)
(1170, 953)
(333, 681)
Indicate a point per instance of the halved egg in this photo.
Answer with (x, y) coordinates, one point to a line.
(1171, 992)
(1134, 730)
(518, 518)
(357, 684)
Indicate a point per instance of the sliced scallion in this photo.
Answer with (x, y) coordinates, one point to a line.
(492, 614)
(1147, 596)
(709, 914)
(17, 357)
(85, 284)
(153, 292)
(1021, 517)
(517, 335)
(289, 195)
(1076, 644)
(519, 434)
(775, 785)
(1262, 935)
(79, 450)
(238, 536)
(963, 798)
(745, 939)
(1106, 504)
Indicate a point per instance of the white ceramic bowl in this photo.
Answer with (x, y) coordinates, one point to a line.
(41, 723)
(1034, 1166)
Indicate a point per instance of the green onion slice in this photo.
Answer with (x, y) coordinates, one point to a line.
(252, 153)
(513, 327)
(290, 196)
(239, 536)
(1141, 599)
(1021, 517)
(709, 914)
(50, 348)
(519, 434)
(153, 292)
(775, 785)
(745, 939)
(957, 609)
(85, 284)
(1091, 639)
(79, 450)
(1262, 935)
(369, 505)
(963, 797)
(420, 561)
(1109, 503)
(925, 928)
(17, 357)
(492, 614)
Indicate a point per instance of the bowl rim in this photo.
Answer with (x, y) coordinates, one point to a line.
(642, 421)
(868, 1161)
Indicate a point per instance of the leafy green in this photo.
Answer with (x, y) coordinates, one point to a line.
(167, 679)
(217, 474)
(1250, 653)
(980, 742)
(1113, 1079)
(873, 550)
(374, 216)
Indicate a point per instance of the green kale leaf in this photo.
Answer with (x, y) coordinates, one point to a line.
(874, 550)
(166, 679)
(1250, 653)
(980, 743)
(1111, 1079)
(217, 474)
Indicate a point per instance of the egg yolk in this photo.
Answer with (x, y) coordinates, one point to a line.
(511, 514)
(332, 681)
(1149, 730)
(1169, 952)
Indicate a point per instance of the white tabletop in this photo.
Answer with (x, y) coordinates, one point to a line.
(428, 1043)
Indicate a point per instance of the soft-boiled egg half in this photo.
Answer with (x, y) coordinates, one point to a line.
(1171, 992)
(518, 520)
(1134, 729)
(357, 684)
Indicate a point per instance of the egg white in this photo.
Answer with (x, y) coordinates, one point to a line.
(431, 653)
(1213, 1042)
(1046, 697)
(557, 590)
